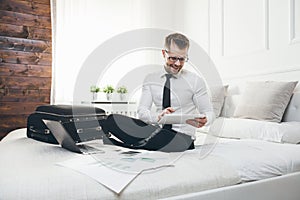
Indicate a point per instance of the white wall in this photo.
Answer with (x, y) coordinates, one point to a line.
(196, 21)
(255, 40)
(248, 39)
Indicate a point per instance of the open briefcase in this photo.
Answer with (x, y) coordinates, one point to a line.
(82, 122)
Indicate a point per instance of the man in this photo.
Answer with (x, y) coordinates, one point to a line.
(172, 90)
(188, 90)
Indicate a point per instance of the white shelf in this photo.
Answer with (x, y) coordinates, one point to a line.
(116, 107)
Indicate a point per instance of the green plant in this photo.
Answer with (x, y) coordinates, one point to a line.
(108, 89)
(94, 88)
(122, 90)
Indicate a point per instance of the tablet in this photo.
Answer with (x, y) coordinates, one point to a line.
(178, 118)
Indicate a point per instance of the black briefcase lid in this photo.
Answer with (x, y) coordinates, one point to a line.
(69, 110)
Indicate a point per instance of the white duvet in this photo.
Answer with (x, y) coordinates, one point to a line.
(257, 159)
(28, 170)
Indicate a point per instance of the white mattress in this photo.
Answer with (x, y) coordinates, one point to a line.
(28, 170)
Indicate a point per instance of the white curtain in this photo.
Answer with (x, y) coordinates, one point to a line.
(78, 28)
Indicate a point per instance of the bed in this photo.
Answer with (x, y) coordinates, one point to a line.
(222, 166)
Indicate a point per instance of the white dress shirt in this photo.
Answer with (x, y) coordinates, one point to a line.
(188, 96)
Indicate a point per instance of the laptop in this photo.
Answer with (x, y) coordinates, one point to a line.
(67, 142)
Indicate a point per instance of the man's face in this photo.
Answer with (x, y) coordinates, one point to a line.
(174, 58)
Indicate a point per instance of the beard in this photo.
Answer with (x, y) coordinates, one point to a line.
(172, 68)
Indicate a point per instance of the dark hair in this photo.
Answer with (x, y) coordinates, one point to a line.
(180, 40)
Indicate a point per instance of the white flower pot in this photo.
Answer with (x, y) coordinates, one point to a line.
(108, 96)
(94, 96)
(122, 96)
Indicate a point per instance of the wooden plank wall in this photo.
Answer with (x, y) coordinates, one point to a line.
(25, 60)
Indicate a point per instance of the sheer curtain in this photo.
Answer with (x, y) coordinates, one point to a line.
(79, 27)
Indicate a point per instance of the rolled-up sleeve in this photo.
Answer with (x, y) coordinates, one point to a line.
(145, 104)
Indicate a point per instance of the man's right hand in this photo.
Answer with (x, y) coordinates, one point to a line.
(197, 122)
(167, 110)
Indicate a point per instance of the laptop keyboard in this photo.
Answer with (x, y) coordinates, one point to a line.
(89, 149)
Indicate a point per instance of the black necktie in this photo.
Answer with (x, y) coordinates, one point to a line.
(167, 98)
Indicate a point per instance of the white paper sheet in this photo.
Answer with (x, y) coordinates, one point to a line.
(117, 167)
(112, 179)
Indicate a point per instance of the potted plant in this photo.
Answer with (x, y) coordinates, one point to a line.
(94, 89)
(122, 90)
(108, 90)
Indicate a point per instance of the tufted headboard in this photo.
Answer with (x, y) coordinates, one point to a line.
(292, 113)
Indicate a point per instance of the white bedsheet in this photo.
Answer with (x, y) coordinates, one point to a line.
(28, 170)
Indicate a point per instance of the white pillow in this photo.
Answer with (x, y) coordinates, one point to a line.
(265, 100)
(217, 96)
(288, 132)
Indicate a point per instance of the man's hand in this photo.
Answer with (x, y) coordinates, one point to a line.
(197, 122)
(167, 110)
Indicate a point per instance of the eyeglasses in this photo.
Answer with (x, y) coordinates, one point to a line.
(174, 58)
